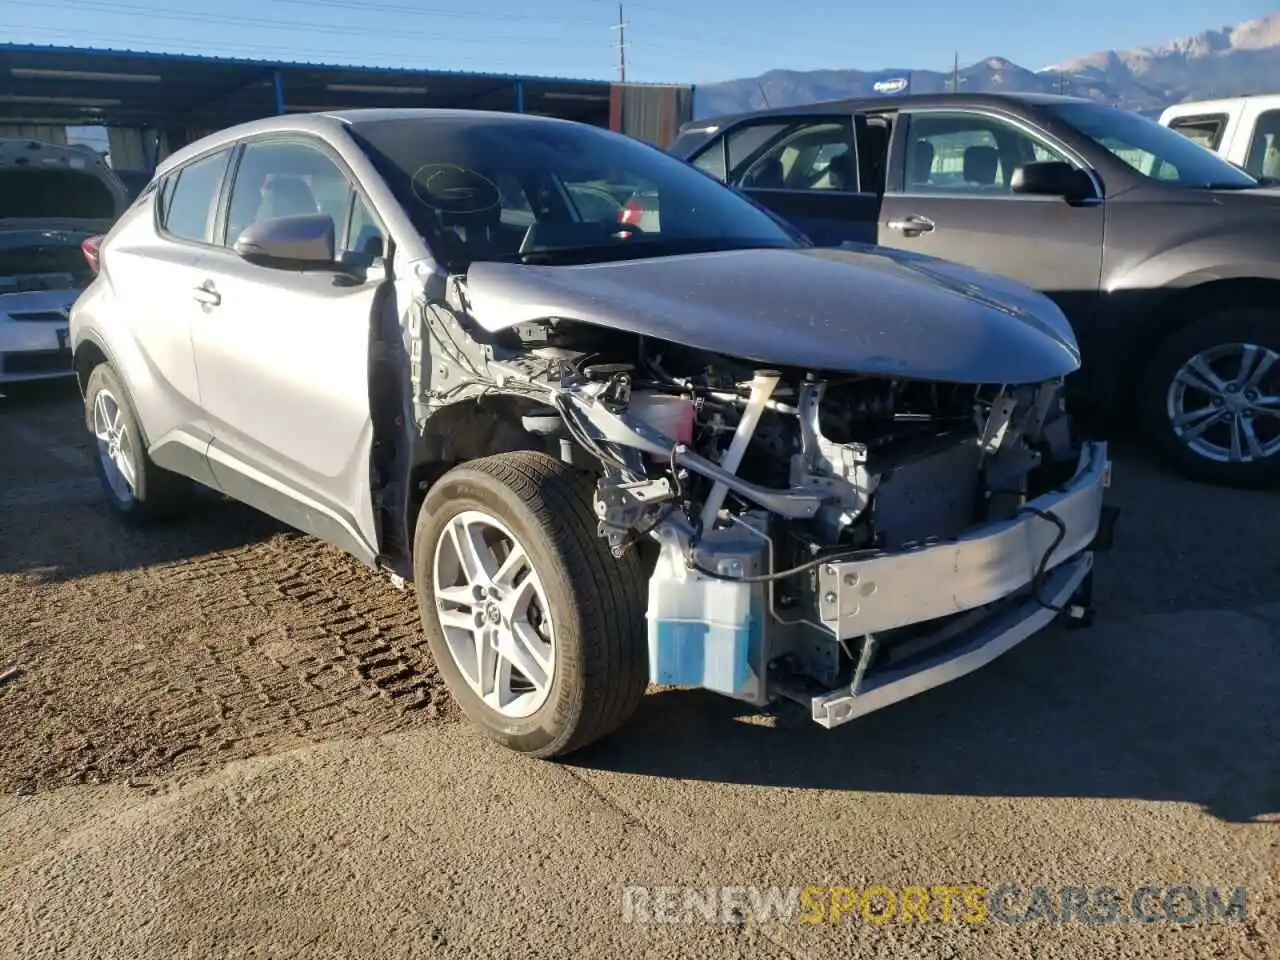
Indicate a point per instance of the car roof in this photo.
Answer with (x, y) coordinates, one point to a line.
(857, 104)
(329, 123)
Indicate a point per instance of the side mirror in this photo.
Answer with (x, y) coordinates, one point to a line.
(1051, 178)
(302, 242)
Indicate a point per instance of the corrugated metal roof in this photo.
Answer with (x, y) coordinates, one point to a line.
(265, 63)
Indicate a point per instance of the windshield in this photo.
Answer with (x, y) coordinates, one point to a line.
(1151, 149)
(501, 188)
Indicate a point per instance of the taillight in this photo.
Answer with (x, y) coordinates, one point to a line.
(91, 248)
(632, 213)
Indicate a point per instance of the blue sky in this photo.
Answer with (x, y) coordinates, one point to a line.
(667, 39)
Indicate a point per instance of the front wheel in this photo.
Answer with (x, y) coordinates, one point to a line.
(536, 628)
(1210, 398)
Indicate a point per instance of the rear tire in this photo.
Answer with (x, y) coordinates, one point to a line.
(1209, 400)
(581, 633)
(136, 489)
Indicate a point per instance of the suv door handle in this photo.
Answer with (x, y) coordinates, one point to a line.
(911, 226)
(207, 295)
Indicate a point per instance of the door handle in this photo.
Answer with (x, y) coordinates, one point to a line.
(207, 295)
(911, 226)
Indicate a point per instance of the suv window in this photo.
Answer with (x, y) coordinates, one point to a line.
(712, 161)
(1263, 159)
(742, 143)
(192, 200)
(811, 155)
(967, 153)
(1204, 130)
(278, 178)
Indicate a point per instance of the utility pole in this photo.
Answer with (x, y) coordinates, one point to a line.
(621, 27)
(955, 74)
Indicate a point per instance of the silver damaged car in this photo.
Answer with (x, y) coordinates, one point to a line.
(691, 450)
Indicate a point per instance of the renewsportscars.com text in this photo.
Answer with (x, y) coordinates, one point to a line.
(967, 903)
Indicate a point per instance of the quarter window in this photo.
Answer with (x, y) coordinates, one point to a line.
(192, 201)
(712, 160)
(967, 153)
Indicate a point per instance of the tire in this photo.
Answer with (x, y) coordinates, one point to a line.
(1219, 338)
(598, 656)
(152, 493)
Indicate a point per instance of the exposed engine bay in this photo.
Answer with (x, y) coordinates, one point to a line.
(810, 531)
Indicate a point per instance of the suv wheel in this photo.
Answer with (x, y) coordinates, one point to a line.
(1211, 398)
(136, 488)
(537, 629)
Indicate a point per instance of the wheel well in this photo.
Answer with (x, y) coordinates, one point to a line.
(459, 433)
(88, 355)
(1181, 307)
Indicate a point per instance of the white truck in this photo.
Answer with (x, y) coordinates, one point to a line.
(1242, 130)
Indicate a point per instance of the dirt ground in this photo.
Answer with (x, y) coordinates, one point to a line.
(134, 655)
(221, 738)
(143, 654)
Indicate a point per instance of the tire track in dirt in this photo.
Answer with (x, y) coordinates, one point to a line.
(168, 650)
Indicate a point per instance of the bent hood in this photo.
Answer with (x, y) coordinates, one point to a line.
(850, 310)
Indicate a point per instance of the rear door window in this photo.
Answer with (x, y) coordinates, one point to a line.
(804, 154)
(1205, 130)
(192, 201)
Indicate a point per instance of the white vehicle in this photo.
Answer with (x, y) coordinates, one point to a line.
(1242, 130)
(55, 201)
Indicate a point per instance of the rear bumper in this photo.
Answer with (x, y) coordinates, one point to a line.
(34, 347)
(990, 574)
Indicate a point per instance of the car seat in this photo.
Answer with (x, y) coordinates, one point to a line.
(981, 165)
(922, 162)
(287, 197)
(841, 174)
(766, 176)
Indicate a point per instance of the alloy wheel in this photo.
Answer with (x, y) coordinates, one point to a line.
(115, 446)
(1224, 403)
(494, 613)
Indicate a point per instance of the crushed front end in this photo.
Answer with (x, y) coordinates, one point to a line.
(841, 541)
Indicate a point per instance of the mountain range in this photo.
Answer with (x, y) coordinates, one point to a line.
(1228, 61)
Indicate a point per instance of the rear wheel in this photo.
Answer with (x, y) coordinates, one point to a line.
(137, 489)
(537, 629)
(1210, 399)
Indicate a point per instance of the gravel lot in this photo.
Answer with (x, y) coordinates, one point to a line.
(148, 653)
(137, 668)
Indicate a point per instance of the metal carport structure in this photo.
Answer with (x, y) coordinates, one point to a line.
(154, 103)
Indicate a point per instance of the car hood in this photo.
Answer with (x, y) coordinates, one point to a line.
(852, 310)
